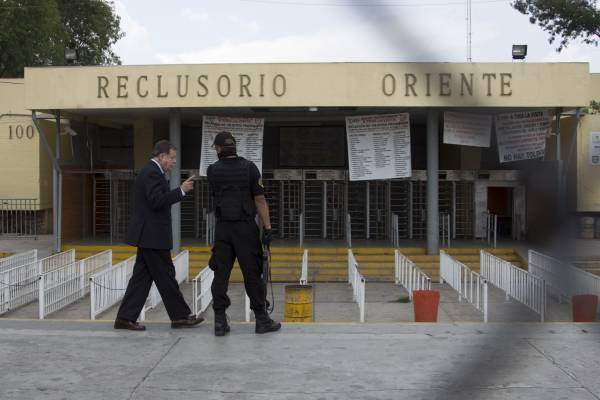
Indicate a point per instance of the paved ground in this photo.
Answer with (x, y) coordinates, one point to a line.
(73, 360)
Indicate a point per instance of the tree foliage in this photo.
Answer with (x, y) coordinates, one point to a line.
(36, 33)
(565, 20)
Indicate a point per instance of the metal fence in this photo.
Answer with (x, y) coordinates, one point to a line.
(349, 230)
(57, 260)
(407, 274)
(469, 284)
(304, 273)
(18, 259)
(18, 286)
(491, 228)
(395, 236)
(357, 280)
(445, 229)
(108, 287)
(64, 285)
(182, 267)
(563, 280)
(202, 296)
(19, 218)
(517, 283)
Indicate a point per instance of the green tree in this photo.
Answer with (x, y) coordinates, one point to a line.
(565, 20)
(36, 32)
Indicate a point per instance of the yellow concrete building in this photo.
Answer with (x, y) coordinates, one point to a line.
(107, 119)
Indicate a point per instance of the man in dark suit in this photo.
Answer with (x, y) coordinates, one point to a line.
(150, 231)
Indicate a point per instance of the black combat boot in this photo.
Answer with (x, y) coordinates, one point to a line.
(264, 323)
(221, 324)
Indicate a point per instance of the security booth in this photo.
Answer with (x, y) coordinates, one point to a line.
(368, 151)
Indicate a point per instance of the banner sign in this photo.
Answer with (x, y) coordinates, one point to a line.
(522, 135)
(378, 146)
(248, 134)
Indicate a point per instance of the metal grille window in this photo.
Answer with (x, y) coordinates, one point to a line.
(400, 205)
(335, 209)
(357, 208)
(378, 210)
(464, 224)
(313, 209)
(19, 217)
(419, 209)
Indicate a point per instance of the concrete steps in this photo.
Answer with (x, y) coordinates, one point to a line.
(326, 264)
(430, 264)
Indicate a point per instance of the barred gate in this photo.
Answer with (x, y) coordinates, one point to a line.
(19, 218)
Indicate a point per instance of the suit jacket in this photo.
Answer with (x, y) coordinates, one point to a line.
(150, 225)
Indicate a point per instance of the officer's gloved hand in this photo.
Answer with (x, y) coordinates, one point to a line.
(267, 237)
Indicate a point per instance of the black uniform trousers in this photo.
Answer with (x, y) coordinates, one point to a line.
(153, 265)
(241, 240)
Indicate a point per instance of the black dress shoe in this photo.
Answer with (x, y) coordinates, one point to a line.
(125, 324)
(188, 322)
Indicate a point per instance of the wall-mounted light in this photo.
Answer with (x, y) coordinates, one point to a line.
(313, 109)
(519, 51)
(71, 56)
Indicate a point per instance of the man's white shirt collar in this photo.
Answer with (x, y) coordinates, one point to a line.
(156, 162)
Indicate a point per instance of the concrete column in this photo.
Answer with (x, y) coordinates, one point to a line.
(175, 181)
(57, 190)
(433, 245)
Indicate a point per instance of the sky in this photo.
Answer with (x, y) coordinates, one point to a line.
(271, 31)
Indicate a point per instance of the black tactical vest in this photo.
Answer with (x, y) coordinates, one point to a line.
(231, 183)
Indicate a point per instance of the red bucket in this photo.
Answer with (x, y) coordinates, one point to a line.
(426, 304)
(584, 307)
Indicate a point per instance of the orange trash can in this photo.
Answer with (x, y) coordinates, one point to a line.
(584, 307)
(425, 303)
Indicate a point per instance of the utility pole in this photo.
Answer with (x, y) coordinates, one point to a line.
(469, 33)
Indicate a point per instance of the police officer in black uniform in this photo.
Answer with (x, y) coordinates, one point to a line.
(238, 196)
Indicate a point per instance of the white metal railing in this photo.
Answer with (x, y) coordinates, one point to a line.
(357, 280)
(304, 272)
(395, 236)
(16, 260)
(108, 287)
(517, 283)
(64, 285)
(491, 228)
(445, 229)
(468, 283)
(563, 280)
(407, 274)
(94, 264)
(59, 288)
(349, 231)
(182, 266)
(57, 260)
(210, 228)
(202, 295)
(20, 285)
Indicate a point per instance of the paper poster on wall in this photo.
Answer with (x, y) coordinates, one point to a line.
(467, 129)
(595, 148)
(248, 134)
(522, 135)
(378, 146)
